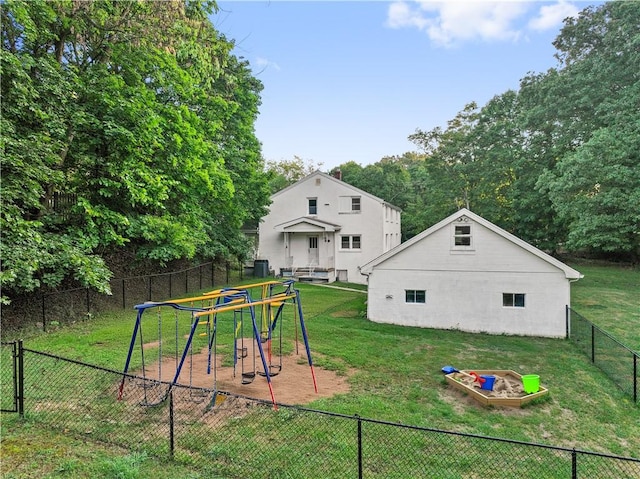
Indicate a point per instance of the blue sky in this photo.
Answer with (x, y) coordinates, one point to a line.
(350, 81)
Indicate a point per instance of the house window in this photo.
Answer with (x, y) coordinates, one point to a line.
(350, 204)
(513, 300)
(313, 206)
(350, 242)
(415, 296)
(462, 235)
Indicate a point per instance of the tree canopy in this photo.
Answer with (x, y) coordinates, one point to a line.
(130, 126)
(556, 162)
(124, 125)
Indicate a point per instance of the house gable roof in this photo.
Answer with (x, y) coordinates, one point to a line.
(331, 178)
(306, 224)
(569, 272)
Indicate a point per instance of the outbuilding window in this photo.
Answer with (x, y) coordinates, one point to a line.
(462, 235)
(513, 300)
(415, 296)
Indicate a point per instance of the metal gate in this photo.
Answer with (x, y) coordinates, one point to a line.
(11, 383)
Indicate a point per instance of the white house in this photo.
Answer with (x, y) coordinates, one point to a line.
(322, 228)
(467, 273)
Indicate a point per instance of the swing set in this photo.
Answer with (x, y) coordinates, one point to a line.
(264, 311)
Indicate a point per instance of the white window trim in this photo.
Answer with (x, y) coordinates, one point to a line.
(414, 291)
(347, 208)
(455, 248)
(350, 248)
(513, 300)
(309, 205)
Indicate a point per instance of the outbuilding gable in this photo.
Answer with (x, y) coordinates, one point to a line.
(467, 273)
(465, 241)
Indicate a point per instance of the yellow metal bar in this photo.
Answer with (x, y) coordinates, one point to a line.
(219, 293)
(207, 296)
(253, 285)
(275, 299)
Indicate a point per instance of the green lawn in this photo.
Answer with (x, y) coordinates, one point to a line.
(395, 377)
(610, 298)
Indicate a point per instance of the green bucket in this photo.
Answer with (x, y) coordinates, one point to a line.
(531, 383)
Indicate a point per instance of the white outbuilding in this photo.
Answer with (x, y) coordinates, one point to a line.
(468, 274)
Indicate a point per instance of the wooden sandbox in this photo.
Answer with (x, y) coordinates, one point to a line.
(508, 390)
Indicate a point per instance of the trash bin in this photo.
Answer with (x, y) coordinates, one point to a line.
(261, 268)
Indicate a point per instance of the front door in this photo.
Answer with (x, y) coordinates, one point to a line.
(313, 250)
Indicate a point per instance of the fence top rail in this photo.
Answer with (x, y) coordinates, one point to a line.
(608, 335)
(164, 274)
(129, 278)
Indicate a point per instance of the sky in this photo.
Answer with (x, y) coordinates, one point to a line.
(351, 80)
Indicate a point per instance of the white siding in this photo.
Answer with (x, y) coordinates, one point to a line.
(334, 205)
(464, 287)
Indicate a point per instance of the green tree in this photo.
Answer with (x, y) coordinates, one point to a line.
(450, 164)
(286, 172)
(595, 185)
(137, 111)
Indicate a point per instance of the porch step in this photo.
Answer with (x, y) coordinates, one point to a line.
(311, 279)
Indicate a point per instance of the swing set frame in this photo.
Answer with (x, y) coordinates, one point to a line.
(236, 299)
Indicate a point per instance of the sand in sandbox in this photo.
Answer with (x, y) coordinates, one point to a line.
(503, 387)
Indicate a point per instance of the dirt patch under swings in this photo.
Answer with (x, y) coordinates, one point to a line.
(293, 384)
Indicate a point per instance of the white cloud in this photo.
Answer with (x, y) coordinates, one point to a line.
(551, 16)
(401, 15)
(264, 63)
(451, 22)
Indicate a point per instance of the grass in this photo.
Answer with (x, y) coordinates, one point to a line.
(610, 298)
(397, 379)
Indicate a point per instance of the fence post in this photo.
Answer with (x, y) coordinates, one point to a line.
(635, 378)
(124, 300)
(567, 317)
(227, 268)
(44, 314)
(88, 305)
(20, 373)
(359, 446)
(14, 355)
(574, 464)
(593, 343)
(200, 277)
(171, 426)
(213, 274)
(170, 285)
(150, 292)
(186, 281)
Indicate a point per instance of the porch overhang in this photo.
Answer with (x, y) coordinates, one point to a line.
(306, 224)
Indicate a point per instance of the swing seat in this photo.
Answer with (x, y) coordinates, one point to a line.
(247, 378)
(273, 371)
(243, 352)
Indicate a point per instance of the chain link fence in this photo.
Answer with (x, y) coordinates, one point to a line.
(51, 309)
(225, 435)
(616, 360)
